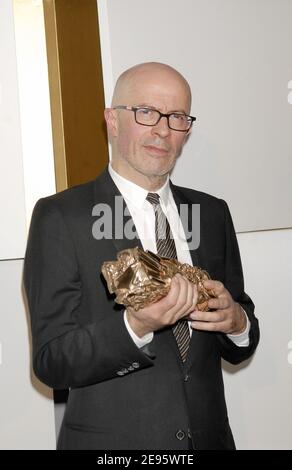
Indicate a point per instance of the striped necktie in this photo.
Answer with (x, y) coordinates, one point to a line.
(166, 247)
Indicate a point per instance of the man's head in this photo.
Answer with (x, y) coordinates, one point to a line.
(143, 154)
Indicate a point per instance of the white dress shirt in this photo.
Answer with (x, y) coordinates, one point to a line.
(143, 217)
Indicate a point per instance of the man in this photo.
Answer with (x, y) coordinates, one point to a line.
(146, 379)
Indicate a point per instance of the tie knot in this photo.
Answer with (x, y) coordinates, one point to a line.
(153, 198)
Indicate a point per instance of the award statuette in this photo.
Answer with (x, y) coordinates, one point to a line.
(139, 278)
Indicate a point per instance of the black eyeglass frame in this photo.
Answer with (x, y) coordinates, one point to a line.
(161, 115)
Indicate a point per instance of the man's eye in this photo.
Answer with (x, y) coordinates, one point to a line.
(179, 117)
(146, 111)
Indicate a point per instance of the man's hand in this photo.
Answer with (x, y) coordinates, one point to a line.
(228, 316)
(179, 302)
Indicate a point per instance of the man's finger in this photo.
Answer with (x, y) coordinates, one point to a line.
(219, 303)
(207, 326)
(216, 286)
(207, 316)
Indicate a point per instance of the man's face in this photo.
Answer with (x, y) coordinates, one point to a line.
(150, 151)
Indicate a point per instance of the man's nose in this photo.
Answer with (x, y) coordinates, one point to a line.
(161, 128)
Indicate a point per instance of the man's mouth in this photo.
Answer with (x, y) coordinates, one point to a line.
(153, 149)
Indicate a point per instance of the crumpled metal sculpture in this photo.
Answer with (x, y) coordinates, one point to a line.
(139, 278)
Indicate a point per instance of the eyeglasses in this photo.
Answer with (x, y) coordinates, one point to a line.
(150, 117)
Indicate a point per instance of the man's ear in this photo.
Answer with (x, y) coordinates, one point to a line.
(110, 116)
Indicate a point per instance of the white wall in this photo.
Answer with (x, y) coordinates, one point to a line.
(237, 58)
(259, 395)
(26, 406)
(26, 174)
(34, 102)
(12, 233)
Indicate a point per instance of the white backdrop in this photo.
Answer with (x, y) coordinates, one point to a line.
(12, 233)
(259, 393)
(26, 174)
(237, 57)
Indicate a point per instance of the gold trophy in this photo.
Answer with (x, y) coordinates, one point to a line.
(139, 278)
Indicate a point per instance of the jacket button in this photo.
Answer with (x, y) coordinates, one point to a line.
(187, 378)
(180, 435)
(136, 365)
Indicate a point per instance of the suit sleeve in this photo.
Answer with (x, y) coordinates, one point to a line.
(65, 353)
(234, 283)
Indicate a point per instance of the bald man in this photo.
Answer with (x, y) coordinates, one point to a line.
(152, 378)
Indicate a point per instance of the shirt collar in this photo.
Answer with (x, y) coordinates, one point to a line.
(136, 194)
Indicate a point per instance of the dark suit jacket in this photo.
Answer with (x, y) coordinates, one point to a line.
(122, 397)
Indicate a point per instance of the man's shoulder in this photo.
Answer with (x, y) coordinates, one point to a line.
(197, 197)
(74, 200)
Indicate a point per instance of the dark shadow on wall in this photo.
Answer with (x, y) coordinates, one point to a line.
(232, 369)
